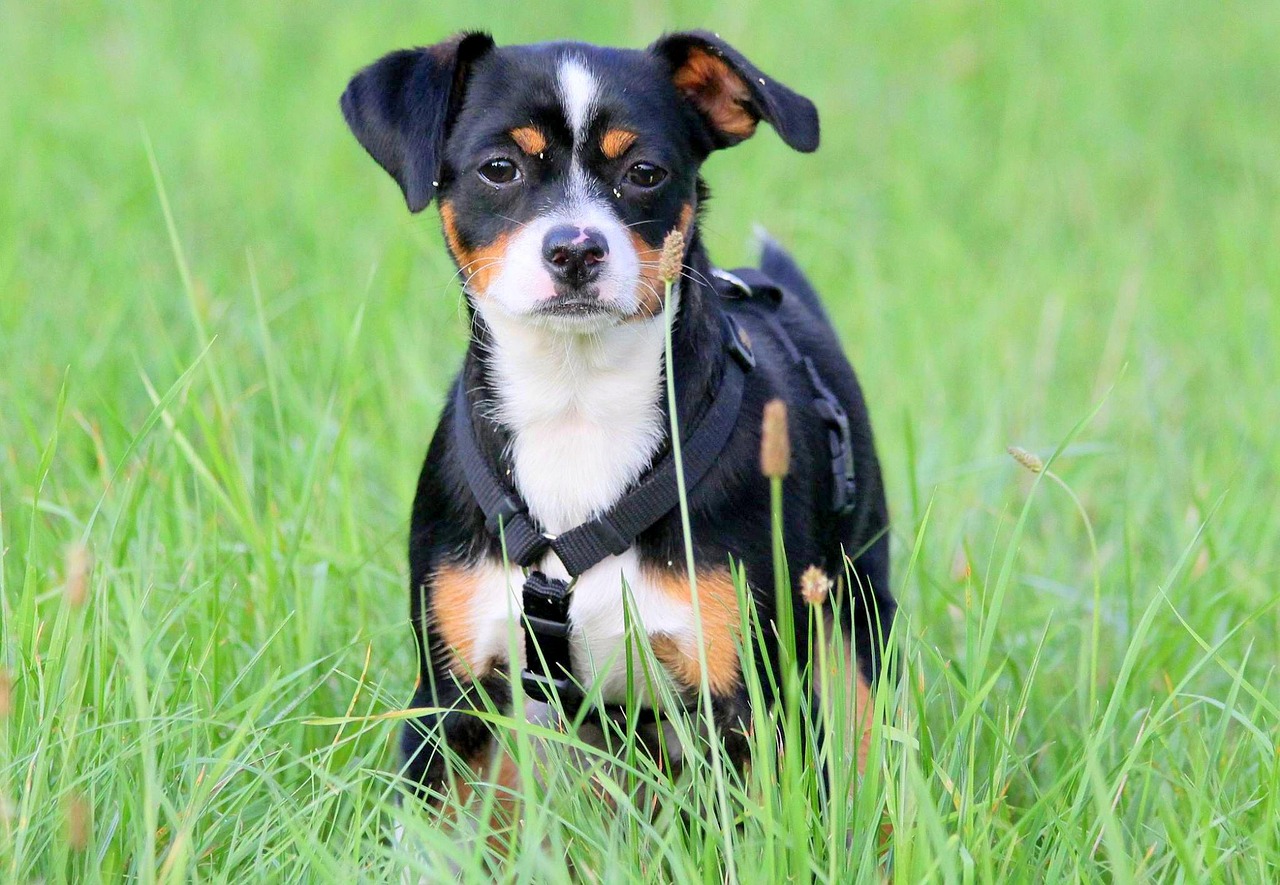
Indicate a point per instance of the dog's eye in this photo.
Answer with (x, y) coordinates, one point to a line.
(500, 171)
(646, 175)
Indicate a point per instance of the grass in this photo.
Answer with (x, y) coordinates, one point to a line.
(224, 344)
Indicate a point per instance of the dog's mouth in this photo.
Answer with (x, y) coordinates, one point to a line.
(575, 303)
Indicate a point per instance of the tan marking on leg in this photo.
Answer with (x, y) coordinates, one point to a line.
(503, 777)
(863, 708)
(529, 139)
(673, 659)
(718, 602)
(490, 769)
(616, 142)
(711, 84)
(452, 593)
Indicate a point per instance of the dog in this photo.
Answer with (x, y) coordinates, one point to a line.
(546, 511)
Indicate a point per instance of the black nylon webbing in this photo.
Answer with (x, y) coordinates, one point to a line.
(658, 494)
(580, 548)
(754, 283)
(546, 639)
(506, 516)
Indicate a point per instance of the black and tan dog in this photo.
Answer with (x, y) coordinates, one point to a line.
(549, 489)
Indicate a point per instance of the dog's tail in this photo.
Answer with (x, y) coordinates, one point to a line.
(777, 263)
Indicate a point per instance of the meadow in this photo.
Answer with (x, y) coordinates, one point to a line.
(224, 343)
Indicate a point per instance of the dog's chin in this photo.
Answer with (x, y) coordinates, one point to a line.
(575, 311)
(563, 310)
(575, 324)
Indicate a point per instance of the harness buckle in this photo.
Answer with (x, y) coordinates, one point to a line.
(613, 539)
(843, 477)
(738, 344)
(734, 281)
(546, 598)
(544, 627)
(546, 690)
(547, 671)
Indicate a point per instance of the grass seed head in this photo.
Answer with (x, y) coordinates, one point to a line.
(814, 586)
(6, 693)
(672, 259)
(78, 822)
(1027, 459)
(79, 564)
(775, 443)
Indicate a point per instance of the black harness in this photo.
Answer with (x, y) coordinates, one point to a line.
(548, 672)
(750, 282)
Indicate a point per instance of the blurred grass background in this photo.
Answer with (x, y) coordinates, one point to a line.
(1019, 213)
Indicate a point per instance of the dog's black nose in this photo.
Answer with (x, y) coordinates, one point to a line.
(574, 254)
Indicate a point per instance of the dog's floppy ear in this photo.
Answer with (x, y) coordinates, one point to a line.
(732, 94)
(400, 108)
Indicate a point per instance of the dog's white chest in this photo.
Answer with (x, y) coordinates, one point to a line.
(583, 412)
(585, 420)
(604, 599)
(573, 467)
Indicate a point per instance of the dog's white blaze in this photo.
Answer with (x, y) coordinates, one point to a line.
(580, 192)
(597, 617)
(578, 88)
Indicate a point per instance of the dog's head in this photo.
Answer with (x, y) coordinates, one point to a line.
(560, 168)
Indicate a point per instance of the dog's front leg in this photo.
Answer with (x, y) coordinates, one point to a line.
(451, 745)
(460, 614)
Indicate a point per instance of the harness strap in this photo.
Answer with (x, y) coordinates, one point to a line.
(750, 282)
(657, 494)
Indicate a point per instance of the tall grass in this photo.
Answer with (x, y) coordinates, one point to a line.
(221, 357)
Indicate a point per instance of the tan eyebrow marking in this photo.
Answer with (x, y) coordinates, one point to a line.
(616, 141)
(530, 139)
